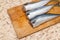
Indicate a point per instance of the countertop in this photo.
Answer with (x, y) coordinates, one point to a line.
(7, 31)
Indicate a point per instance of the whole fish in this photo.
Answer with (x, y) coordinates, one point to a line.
(41, 19)
(36, 5)
(39, 11)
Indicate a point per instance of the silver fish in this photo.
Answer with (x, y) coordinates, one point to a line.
(36, 5)
(41, 19)
(39, 11)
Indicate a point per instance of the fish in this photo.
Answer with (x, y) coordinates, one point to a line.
(36, 5)
(41, 19)
(39, 11)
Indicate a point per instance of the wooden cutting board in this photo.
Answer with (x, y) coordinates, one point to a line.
(22, 24)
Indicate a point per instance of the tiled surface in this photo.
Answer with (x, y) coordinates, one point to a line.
(7, 31)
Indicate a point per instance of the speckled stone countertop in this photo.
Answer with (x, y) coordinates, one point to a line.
(7, 31)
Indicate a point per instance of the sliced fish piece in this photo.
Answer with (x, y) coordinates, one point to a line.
(39, 11)
(41, 19)
(36, 5)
